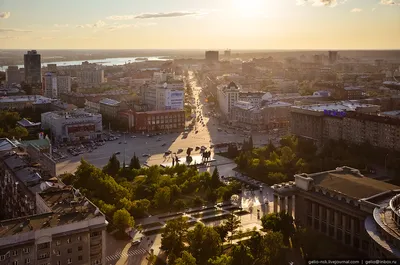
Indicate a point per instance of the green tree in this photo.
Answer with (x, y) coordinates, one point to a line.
(221, 260)
(231, 224)
(174, 237)
(179, 205)
(123, 220)
(112, 167)
(251, 146)
(279, 222)
(241, 255)
(204, 243)
(162, 197)
(186, 259)
(135, 163)
(215, 181)
(273, 248)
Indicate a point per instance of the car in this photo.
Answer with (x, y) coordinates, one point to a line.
(164, 144)
(117, 153)
(135, 242)
(180, 150)
(133, 136)
(197, 148)
(196, 132)
(158, 139)
(203, 147)
(119, 142)
(125, 142)
(146, 155)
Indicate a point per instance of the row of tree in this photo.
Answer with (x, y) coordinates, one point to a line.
(9, 128)
(138, 191)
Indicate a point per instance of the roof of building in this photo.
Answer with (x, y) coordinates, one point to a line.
(77, 113)
(65, 206)
(352, 88)
(393, 114)
(35, 99)
(27, 123)
(244, 105)
(274, 104)
(41, 143)
(6, 145)
(159, 112)
(350, 183)
(338, 106)
(109, 102)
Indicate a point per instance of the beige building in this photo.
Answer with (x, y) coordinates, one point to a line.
(358, 212)
(44, 221)
(90, 77)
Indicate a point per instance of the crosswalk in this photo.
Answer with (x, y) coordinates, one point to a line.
(133, 252)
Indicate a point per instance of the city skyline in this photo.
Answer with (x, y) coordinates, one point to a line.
(178, 24)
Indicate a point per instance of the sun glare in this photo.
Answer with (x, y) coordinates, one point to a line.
(248, 8)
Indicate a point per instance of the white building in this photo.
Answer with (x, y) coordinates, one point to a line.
(160, 77)
(55, 84)
(73, 126)
(227, 97)
(90, 77)
(164, 97)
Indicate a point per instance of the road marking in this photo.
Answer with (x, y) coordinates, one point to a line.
(132, 252)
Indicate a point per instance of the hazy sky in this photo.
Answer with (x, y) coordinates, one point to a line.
(203, 24)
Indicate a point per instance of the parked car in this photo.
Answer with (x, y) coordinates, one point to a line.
(117, 153)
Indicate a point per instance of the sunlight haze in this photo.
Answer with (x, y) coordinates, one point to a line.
(206, 24)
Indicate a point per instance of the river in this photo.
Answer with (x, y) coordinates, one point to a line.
(105, 62)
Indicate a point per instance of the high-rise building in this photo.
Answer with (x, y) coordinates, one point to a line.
(52, 67)
(227, 97)
(54, 84)
(13, 75)
(212, 56)
(32, 67)
(333, 56)
(91, 77)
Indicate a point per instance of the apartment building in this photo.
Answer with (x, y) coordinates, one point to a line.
(13, 75)
(73, 126)
(166, 96)
(54, 84)
(323, 121)
(359, 212)
(109, 107)
(227, 96)
(90, 77)
(48, 223)
(32, 67)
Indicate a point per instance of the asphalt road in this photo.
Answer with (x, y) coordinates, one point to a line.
(142, 144)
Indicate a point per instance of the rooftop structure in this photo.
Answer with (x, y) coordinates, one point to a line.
(6, 145)
(27, 123)
(339, 106)
(392, 114)
(110, 102)
(35, 99)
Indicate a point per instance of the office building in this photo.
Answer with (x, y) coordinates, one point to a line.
(32, 67)
(212, 56)
(333, 56)
(45, 221)
(359, 212)
(13, 75)
(73, 126)
(90, 77)
(54, 84)
(227, 96)
(164, 96)
(25, 101)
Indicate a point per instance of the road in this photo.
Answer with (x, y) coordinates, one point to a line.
(140, 145)
(122, 253)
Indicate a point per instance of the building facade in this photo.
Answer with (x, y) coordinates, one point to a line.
(109, 107)
(32, 67)
(359, 212)
(227, 96)
(26, 101)
(73, 126)
(212, 56)
(91, 77)
(48, 223)
(13, 75)
(149, 121)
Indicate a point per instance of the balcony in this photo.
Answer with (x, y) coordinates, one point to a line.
(95, 250)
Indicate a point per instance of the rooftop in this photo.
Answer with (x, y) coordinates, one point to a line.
(6, 145)
(35, 99)
(109, 102)
(338, 106)
(77, 113)
(350, 182)
(393, 114)
(27, 123)
(65, 206)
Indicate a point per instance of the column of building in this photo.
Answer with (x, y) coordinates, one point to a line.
(285, 203)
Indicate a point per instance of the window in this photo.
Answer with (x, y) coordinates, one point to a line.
(69, 240)
(80, 258)
(58, 253)
(69, 261)
(58, 242)
(80, 248)
(15, 253)
(93, 234)
(26, 250)
(27, 261)
(58, 262)
(43, 256)
(79, 238)
(15, 262)
(69, 250)
(2, 257)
